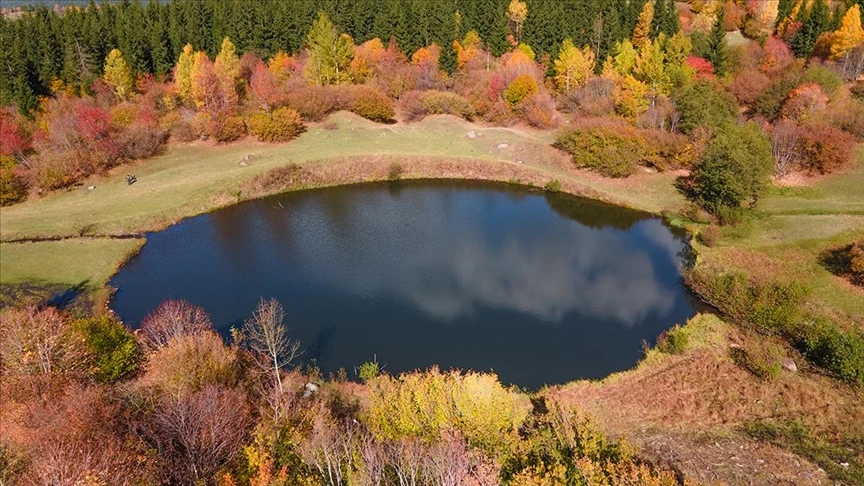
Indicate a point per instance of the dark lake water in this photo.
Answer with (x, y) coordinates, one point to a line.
(540, 288)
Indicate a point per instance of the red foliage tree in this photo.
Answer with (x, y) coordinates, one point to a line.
(703, 67)
(776, 56)
(13, 139)
(826, 148)
(264, 87)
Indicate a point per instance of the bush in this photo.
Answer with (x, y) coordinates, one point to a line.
(826, 148)
(225, 128)
(446, 103)
(280, 125)
(847, 261)
(593, 100)
(313, 102)
(395, 171)
(553, 185)
(734, 169)
(840, 352)
(763, 360)
(749, 85)
(539, 111)
(706, 104)
(768, 103)
(610, 149)
(141, 141)
(112, 346)
(772, 306)
(368, 371)
(520, 88)
(12, 186)
(666, 150)
(370, 103)
(709, 235)
(674, 340)
(824, 77)
(804, 102)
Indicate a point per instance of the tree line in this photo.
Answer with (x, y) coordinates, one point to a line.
(46, 45)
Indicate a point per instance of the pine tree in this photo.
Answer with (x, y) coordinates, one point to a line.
(643, 26)
(814, 21)
(117, 74)
(717, 51)
(666, 20)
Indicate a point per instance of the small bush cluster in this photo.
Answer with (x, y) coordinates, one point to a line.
(13, 188)
(416, 105)
(280, 125)
(674, 340)
(841, 352)
(762, 358)
(611, 150)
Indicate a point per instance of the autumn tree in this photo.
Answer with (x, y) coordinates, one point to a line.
(330, 53)
(117, 74)
(282, 65)
(517, 12)
(573, 67)
(267, 337)
(264, 87)
(643, 25)
(172, 320)
(227, 64)
(849, 36)
(39, 342)
(651, 70)
(366, 58)
(183, 73)
(469, 49)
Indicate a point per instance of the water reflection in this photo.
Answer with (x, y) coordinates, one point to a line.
(404, 271)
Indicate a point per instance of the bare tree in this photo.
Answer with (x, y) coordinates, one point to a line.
(405, 458)
(447, 462)
(36, 341)
(330, 448)
(266, 335)
(786, 146)
(198, 433)
(173, 319)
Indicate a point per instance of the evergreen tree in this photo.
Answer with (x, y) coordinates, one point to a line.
(666, 19)
(717, 52)
(643, 26)
(814, 21)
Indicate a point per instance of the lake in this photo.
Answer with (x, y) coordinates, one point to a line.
(540, 288)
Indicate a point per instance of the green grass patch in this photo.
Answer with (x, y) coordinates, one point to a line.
(86, 262)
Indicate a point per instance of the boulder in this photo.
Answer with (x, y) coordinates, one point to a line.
(789, 365)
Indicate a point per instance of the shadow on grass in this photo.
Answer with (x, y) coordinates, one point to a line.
(839, 261)
(40, 293)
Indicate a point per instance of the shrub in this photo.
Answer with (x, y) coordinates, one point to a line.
(553, 185)
(112, 346)
(734, 169)
(425, 404)
(520, 88)
(709, 235)
(704, 103)
(826, 148)
(539, 111)
(611, 150)
(141, 141)
(592, 100)
(674, 340)
(847, 261)
(312, 102)
(368, 371)
(172, 320)
(12, 186)
(749, 85)
(840, 352)
(768, 103)
(666, 150)
(771, 306)
(190, 363)
(280, 125)
(762, 358)
(826, 78)
(225, 127)
(411, 106)
(446, 103)
(395, 171)
(370, 103)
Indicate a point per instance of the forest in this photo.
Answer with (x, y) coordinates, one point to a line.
(739, 97)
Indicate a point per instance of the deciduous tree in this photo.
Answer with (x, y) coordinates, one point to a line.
(573, 67)
(117, 74)
(643, 26)
(330, 53)
(267, 337)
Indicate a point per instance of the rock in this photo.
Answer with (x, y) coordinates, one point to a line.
(502, 146)
(91, 188)
(246, 157)
(310, 389)
(243, 164)
(472, 135)
(789, 365)
(519, 162)
(844, 465)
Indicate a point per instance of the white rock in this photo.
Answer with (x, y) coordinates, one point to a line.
(91, 188)
(789, 365)
(471, 134)
(243, 164)
(519, 162)
(502, 146)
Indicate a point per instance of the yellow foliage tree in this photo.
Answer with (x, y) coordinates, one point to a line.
(850, 34)
(117, 74)
(200, 78)
(630, 97)
(183, 73)
(643, 25)
(227, 63)
(517, 12)
(469, 49)
(573, 67)
(426, 56)
(366, 57)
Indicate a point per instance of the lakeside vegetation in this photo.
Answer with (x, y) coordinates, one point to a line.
(746, 139)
